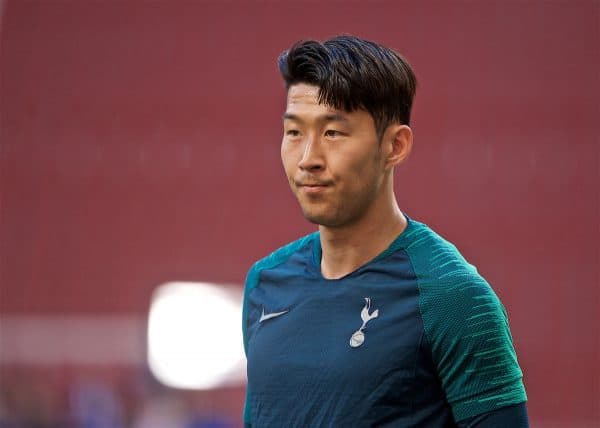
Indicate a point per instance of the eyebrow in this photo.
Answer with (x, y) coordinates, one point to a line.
(330, 117)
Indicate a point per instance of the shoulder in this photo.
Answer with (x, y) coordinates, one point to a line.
(276, 258)
(466, 327)
(450, 288)
(273, 260)
(434, 258)
(452, 293)
(446, 280)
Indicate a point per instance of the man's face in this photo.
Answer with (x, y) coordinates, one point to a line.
(332, 158)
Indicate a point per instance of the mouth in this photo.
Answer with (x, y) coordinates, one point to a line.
(313, 187)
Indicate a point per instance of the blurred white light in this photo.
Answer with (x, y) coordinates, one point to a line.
(194, 335)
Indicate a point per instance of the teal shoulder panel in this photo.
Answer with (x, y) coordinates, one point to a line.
(274, 259)
(466, 326)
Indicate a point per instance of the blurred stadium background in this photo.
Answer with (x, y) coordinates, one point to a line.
(139, 153)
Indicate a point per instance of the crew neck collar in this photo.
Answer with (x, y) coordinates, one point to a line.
(398, 243)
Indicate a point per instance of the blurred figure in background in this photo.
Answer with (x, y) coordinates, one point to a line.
(94, 404)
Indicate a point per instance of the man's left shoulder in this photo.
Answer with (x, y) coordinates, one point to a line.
(448, 283)
(437, 262)
(466, 326)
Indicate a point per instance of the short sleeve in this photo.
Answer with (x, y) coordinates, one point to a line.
(509, 416)
(250, 284)
(471, 344)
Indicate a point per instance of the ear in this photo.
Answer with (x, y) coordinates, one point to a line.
(398, 140)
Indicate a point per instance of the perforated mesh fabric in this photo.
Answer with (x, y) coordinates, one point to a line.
(466, 326)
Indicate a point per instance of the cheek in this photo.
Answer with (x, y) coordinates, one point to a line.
(359, 167)
(287, 158)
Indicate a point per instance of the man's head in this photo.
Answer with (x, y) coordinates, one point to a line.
(353, 73)
(345, 127)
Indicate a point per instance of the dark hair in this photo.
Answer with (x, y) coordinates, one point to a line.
(353, 73)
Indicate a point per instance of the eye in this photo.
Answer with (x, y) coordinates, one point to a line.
(292, 132)
(332, 133)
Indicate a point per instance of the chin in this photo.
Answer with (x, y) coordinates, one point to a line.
(323, 219)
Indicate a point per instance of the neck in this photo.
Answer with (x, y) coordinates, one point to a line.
(346, 248)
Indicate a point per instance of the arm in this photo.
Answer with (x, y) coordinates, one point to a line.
(247, 422)
(472, 349)
(511, 416)
(251, 282)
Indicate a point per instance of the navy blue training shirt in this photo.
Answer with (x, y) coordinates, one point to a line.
(414, 338)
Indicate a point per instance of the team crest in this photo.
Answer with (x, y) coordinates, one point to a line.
(358, 337)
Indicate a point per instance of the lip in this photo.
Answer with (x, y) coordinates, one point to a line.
(313, 188)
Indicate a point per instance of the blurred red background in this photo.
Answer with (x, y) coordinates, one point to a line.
(140, 144)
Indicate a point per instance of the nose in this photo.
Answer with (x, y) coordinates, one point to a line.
(312, 158)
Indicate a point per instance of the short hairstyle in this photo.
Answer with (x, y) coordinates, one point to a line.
(353, 73)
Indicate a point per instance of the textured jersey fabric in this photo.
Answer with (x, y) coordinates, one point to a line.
(415, 337)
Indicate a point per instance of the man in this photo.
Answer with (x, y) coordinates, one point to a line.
(374, 320)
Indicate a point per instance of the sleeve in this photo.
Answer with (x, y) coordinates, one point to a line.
(251, 283)
(472, 349)
(510, 416)
(247, 421)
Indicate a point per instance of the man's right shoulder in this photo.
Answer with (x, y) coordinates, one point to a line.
(277, 257)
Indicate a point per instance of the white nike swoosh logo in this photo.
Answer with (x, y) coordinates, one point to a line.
(265, 317)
